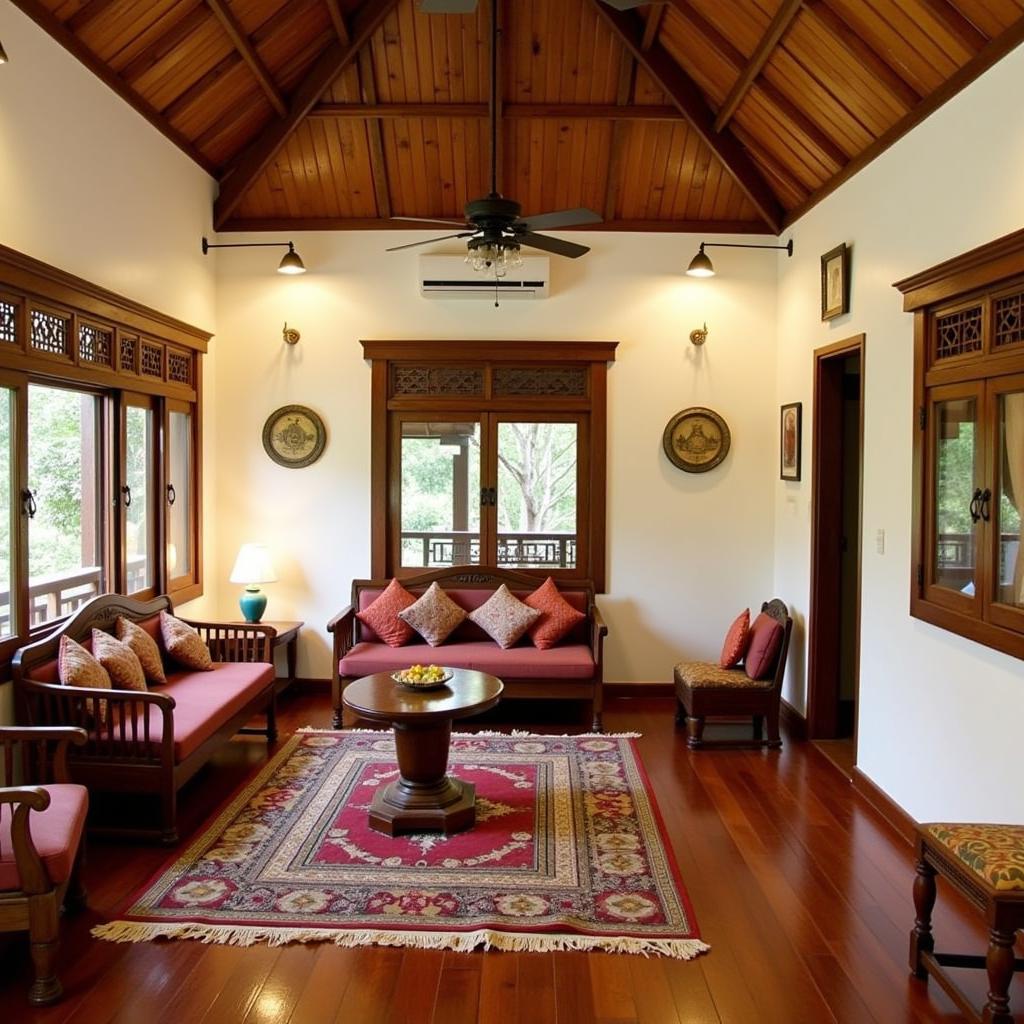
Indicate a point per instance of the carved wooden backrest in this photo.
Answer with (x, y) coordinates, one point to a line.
(777, 610)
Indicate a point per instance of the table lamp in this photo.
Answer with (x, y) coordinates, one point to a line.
(252, 567)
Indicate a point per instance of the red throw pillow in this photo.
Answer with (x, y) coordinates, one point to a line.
(382, 615)
(765, 641)
(736, 640)
(558, 616)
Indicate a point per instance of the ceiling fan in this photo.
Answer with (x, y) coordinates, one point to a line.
(494, 225)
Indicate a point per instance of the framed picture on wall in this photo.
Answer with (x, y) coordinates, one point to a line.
(790, 429)
(835, 282)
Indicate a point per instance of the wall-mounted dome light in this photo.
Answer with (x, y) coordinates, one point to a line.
(291, 262)
(701, 265)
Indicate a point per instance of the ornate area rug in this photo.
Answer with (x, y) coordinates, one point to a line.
(568, 852)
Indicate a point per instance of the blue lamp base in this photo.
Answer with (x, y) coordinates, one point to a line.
(253, 603)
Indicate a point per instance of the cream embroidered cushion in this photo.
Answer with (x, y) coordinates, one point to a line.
(434, 616)
(144, 647)
(184, 644)
(77, 667)
(504, 618)
(120, 661)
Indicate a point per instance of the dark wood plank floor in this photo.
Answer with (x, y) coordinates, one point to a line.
(801, 890)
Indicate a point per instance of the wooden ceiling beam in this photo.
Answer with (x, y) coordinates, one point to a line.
(655, 16)
(620, 132)
(513, 111)
(338, 21)
(375, 136)
(243, 44)
(50, 24)
(89, 11)
(324, 71)
(784, 17)
(959, 27)
(684, 93)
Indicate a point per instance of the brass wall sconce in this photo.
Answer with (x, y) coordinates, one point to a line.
(699, 335)
(290, 335)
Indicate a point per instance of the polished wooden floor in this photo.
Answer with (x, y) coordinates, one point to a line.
(801, 889)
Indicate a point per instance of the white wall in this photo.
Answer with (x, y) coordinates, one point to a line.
(939, 715)
(686, 552)
(89, 186)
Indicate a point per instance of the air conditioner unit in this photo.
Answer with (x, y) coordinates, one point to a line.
(450, 277)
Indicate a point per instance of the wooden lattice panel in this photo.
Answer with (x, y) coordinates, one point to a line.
(569, 381)
(1009, 320)
(179, 367)
(152, 364)
(128, 353)
(95, 344)
(8, 321)
(958, 333)
(436, 380)
(50, 332)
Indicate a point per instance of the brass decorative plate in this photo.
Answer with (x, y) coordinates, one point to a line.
(294, 436)
(696, 440)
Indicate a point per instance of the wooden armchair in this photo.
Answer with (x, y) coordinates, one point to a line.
(703, 689)
(40, 845)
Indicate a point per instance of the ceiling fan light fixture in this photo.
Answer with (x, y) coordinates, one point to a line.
(291, 262)
(496, 258)
(701, 265)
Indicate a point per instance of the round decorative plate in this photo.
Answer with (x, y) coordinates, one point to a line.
(696, 440)
(434, 684)
(294, 436)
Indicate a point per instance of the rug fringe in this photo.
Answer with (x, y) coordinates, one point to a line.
(460, 942)
(513, 732)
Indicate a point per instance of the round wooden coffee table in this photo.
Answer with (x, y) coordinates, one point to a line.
(424, 798)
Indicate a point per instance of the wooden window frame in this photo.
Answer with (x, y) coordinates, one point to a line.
(981, 276)
(29, 284)
(586, 361)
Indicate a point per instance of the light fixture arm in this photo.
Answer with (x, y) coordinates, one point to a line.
(746, 245)
(207, 245)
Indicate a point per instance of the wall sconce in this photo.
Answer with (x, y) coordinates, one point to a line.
(699, 335)
(701, 265)
(290, 335)
(290, 261)
(3, 54)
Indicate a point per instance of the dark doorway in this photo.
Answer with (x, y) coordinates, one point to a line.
(836, 530)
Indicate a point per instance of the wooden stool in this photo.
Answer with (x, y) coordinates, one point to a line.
(986, 864)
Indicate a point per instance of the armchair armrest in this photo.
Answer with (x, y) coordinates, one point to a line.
(343, 618)
(597, 620)
(62, 735)
(342, 627)
(232, 641)
(23, 800)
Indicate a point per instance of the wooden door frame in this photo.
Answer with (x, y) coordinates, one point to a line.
(823, 618)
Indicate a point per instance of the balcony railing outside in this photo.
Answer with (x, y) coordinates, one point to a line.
(433, 549)
(955, 556)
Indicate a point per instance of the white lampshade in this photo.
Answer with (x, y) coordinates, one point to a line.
(253, 565)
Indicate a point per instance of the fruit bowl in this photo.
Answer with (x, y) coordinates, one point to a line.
(423, 677)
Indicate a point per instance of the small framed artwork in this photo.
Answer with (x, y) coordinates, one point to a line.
(790, 428)
(835, 282)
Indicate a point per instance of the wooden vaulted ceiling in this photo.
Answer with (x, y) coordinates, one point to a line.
(717, 114)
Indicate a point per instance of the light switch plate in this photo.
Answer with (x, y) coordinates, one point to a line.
(880, 542)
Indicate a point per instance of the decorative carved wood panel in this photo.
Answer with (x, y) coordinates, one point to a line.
(1008, 311)
(551, 381)
(437, 380)
(958, 333)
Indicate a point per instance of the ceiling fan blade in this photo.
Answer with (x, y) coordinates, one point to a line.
(433, 220)
(559, 246)
(450, 6)
(428, 241)
(559, 219)
(626, 5)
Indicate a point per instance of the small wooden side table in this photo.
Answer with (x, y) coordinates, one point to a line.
(286, 634)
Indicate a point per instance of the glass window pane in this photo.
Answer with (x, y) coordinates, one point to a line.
(537, 512)
(440, 497)
(7, 512)
(1009, 506)
(179, 495)
(65, 549)
(138, 454)
(955, 476)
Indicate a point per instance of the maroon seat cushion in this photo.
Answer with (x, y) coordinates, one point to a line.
(56, 833)
(763, 646)
(567, 661)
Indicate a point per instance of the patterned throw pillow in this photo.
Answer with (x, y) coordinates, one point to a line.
(120, 661)
(504, 618)
(558, 617)
(144, 647)
(736, 640)
(765, 641)
(77, 667)
(433, 616)
(184, 644)
(382, 615)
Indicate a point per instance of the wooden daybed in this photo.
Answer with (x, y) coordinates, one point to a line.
(572, 670)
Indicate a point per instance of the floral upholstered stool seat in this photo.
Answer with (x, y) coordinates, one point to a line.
(986, 864)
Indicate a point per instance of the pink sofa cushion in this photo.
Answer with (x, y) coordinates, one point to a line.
(56, 833)
(762, 651)
(471, 598)
(567, 661)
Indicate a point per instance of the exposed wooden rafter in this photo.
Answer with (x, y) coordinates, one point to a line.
(655, 14)
(684, 93)
(773, 34)
(248, 53)
(337, 20)
(375, 136)
(509, 111)
(620, 132)
(325, 70)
